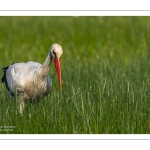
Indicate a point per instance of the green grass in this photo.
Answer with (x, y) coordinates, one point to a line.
(105, 72)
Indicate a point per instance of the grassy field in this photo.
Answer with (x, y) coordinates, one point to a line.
(105, 72)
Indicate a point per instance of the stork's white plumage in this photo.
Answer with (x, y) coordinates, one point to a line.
(29, 81)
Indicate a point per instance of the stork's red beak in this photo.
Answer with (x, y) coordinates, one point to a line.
(58, 70)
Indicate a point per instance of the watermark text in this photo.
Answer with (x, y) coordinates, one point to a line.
(7, 128)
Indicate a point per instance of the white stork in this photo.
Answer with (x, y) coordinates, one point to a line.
(29, 81)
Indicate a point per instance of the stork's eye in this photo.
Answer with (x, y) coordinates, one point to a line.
(54, 54)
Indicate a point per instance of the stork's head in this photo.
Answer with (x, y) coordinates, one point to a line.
(56, 53)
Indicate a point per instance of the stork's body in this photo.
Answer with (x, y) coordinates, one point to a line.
(23, 79)
(29, 81)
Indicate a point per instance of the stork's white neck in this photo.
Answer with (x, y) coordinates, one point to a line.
(43, 71)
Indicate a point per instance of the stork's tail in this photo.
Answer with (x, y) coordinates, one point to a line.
(4, 76)
(5, 80)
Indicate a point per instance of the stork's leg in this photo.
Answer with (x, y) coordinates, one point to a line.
(21, 106)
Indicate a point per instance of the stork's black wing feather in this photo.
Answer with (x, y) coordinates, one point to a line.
(4, 76)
